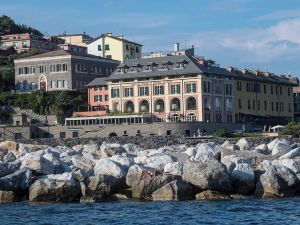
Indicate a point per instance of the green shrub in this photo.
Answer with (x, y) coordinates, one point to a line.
(292, 128)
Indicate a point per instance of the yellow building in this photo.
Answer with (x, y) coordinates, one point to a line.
(114, 47)
(76, 39)
(262, 97)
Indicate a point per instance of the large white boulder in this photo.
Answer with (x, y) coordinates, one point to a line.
(123, 160)
(230, 161)
(280, 149)
(243, 178)
(110, 149)
(277, 181)
(174, 168)
(158, 162)
(109, 167)
(58, 188)
(291, 154)
(243, 144)
(289, 163)
(132, 149)
(206, 151)
(191, 151)
(38, 164)
(272, 144)
(209, 175)
(140, 159)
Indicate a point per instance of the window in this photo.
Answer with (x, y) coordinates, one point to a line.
(276, 90)
(265, 89)
(249, 104)
(106, 47)
(228, 89)
(240, 103)
(169, 132)
(58, 68)
(97, 98)
(206, 87)
(53, 84)
(127, 47)
(115, 93)
(280, 90)
(219, 87)
(228, 104)
(258, 104)
(33, 86)
(180, 65)
(52, 68)
(175, 89)
(265, 105)
(277, 108)
(106, 97)
(290, 109)
(137, 50)
(64, 67)
(43, 69)
(75, 134)
(62, 135)
(239, 85)
(272, 106)
(229, 118)
(289, 91)
(59, 84)
(218, 103)
(271, 89)
(65, 83)
(108, 56)
(99, 48)
(253, 104)
(191, 117)
(190, 88)
(144, 91)
(128, 92)
(159, 90)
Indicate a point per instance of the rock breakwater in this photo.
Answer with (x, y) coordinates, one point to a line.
(98, 172)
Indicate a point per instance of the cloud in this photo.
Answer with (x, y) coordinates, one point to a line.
(280, 15)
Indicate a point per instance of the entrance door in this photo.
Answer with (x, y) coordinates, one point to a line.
(43, 86)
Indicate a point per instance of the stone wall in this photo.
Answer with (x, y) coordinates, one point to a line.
(144, 142)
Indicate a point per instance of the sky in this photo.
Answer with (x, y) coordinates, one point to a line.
(253, 34)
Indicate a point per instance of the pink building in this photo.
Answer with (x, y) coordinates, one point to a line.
(97, 98)
(25, 42)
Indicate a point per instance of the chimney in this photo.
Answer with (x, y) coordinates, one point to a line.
(176, 47)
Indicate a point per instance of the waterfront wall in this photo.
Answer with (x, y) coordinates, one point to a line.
(152, 142)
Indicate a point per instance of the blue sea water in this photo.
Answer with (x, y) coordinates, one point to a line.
(246, 211)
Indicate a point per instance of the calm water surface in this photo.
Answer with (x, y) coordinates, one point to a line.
(249, 211)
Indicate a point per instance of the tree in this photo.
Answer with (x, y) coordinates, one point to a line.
(292, 128)
(17, 28)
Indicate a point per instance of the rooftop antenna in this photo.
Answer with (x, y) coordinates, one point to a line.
(185, 43)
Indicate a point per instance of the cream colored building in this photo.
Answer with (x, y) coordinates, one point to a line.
(262, 97)
(76, 39)
(114, 47)
(173, 88)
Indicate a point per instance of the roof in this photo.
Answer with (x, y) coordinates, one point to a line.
(98, 82)
(62, 52)
(191, 67)
(66, 35)
(259, 76)
(114, 37)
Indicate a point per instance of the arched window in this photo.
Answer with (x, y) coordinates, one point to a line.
(129, 107)
(191, 117)
(159, 106)
(191, 103)
(218, 103)
(175, 104)
(228, 104)
(175, 118)
(144, 106)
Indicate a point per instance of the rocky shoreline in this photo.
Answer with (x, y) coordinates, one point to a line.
(110, 171)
